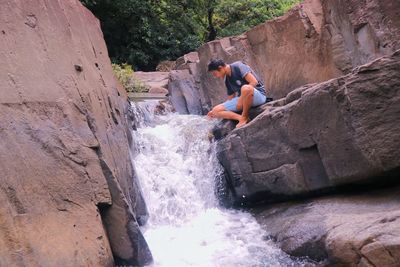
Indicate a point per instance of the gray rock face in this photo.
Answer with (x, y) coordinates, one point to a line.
(339, 132)
(156, 81)
(67, 184)
(184, 90)
(358, 229)
(183, 94)
(314, 42)
(185, 61)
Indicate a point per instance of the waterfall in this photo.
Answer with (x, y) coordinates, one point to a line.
(177, 167)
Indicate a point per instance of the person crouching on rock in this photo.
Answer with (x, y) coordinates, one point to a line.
(244, 88)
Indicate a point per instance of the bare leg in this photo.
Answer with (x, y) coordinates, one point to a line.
(239, 105)
(229, 115)
(247, 93)
(219, 111)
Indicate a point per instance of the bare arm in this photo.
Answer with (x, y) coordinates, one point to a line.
(251, 79)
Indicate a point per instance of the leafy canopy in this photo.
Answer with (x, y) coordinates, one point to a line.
(144, 32)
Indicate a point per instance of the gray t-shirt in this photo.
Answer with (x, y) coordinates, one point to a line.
(236, 80)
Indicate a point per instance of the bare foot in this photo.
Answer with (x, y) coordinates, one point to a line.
(243, 121)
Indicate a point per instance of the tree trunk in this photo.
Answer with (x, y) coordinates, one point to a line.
(212, 33)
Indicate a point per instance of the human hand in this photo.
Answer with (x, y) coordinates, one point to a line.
(210, 114)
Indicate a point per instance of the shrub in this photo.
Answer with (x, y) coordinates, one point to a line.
(125, 75)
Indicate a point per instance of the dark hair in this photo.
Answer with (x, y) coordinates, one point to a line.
(215, 64)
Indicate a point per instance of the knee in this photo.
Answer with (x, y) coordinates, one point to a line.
(218, 108)
(246, 89)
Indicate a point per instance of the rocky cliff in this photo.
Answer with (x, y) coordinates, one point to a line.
(311, 158)
(314, 42)
(343, 131)
(67, 187)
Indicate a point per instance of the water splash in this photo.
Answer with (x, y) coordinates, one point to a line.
(177, 166)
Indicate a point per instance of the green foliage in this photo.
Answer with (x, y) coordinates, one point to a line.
(235, 17)
(145, 32)
(125, 75)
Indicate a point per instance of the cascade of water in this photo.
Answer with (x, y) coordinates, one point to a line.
(177, 166)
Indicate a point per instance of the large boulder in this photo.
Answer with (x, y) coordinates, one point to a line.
(185, 61)
(183, 86)
(68, 189)
(313, 42)
(183, 94)
(343, 131)
(350, 229)
(156, 81)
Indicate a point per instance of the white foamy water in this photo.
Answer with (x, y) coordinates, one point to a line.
(177, 166)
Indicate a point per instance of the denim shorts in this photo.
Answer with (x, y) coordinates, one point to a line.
(258, 99)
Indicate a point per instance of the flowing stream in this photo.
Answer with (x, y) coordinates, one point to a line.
(177, 168)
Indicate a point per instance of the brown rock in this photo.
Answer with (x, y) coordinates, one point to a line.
(184, 90)
(343, 131)
(64, 143)
(184, 61)
(183, 94)
(156, 81)
(357, 229)
(158, 90)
